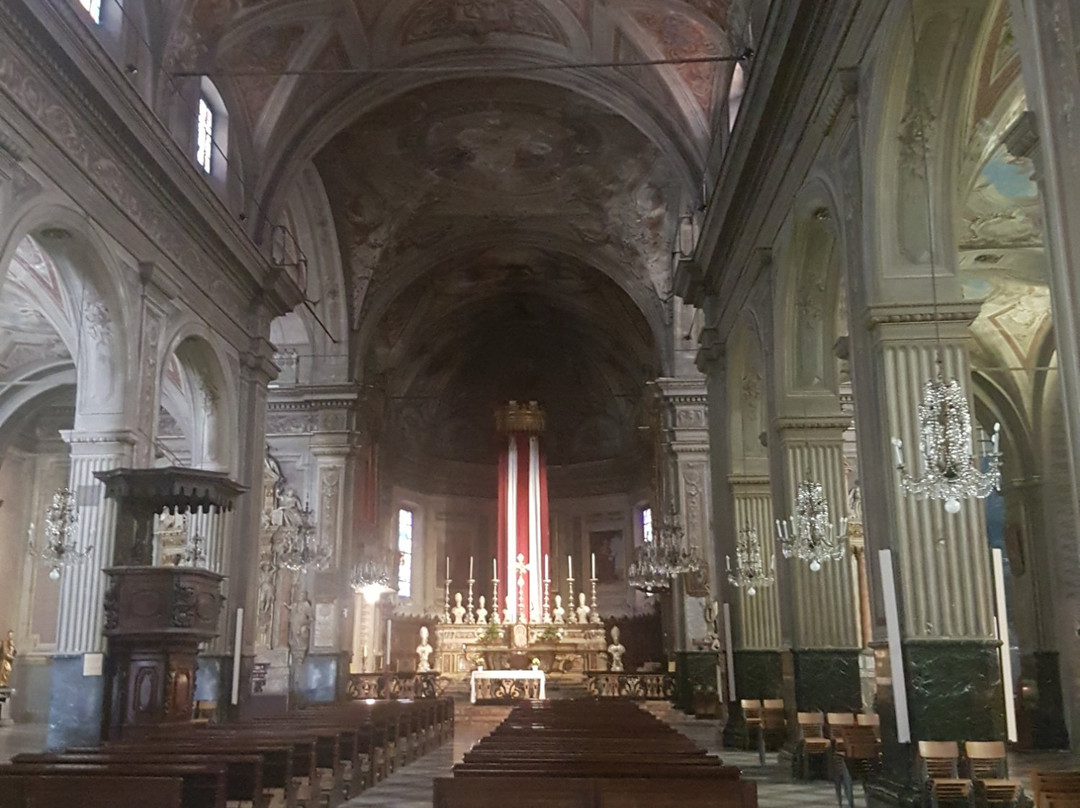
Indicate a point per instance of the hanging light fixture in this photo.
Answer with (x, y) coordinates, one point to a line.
(302, 551)
(749, 572)
(60, 551)
(950, 471)
(656, 562)
(372, 576)
(809, 534)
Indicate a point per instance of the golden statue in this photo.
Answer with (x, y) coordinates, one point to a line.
(7, 658)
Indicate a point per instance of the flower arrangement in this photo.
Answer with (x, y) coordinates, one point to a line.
(535, 663)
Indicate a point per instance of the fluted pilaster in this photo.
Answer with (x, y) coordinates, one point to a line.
(759, 614)
(82, 586)
(825, 613)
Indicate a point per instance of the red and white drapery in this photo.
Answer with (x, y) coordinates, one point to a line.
(523, 523)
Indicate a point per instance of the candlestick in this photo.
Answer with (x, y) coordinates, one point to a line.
(594, 612)
(446, 600)
(547, 593)
(571, 612)
(470, 615)
(496, 610)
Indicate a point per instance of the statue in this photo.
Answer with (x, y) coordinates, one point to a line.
(7, 658)
(482, 612)
(582, 609)
(458, 612)
(616, 650)
(508, 610)
(423, 652)
(301, 615)
(287, 512)
(558, 613)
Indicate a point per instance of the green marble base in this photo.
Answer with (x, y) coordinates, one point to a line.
(954, 693)
(758, 675)
(695, 673)
(827, 680)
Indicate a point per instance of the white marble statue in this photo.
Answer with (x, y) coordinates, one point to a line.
(508, 611)
(482, 612)
(423, 652)
(558, 614)
(616, 651)
(582, 609)
(457, 614)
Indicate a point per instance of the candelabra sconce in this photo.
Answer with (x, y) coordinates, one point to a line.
(303, 551)
(496, 616)
(809, 534)
(571, 614)
(60, 551)
(750, 572)
(547, 600)
(470, 613)
(371, 578)
(594, 612)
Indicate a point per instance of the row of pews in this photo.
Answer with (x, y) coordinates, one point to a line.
(590, 754)
(317, 757)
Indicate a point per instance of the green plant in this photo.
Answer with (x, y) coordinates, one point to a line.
(549, 634)
(492, 634)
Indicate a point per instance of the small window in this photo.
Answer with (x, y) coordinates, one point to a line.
(646, 524)
(93, 8)
(205, 143)
(405, 547)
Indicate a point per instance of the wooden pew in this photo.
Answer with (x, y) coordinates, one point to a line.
(67, 790)
(203, 785)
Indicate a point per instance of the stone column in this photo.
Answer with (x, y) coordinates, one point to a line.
(825, 618)
(255, 372)
(75, 699)
(686, 444)
(941, 561)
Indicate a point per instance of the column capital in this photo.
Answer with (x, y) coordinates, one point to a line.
(104, 441)
(799, 427)
(257, 363)
(711, 355)
(957, 314)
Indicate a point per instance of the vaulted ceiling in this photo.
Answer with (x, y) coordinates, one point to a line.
(505, 179)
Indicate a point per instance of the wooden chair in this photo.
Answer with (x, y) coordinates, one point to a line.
(812, 742)
(836, 723)
(752, 712)
(773, 723)
(989, 771)
(940, 772)
(1056, 789)
(856, 756)
(870, 720)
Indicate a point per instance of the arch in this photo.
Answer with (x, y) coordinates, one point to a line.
(209, 393)
(91, 277)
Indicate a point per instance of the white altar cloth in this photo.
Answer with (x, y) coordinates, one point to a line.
(509, 674)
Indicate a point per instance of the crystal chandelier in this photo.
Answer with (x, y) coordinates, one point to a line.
(809, 534)
(950, 471)
(302, 550)
(60, 550)
(749, 572)
(371, 577)
(656, 562)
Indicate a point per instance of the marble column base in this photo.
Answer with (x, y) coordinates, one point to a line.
(758, 675)
(954, 693)
(76, 704)
(827, 680)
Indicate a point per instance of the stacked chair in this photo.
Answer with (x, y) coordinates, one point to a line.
(987, 784)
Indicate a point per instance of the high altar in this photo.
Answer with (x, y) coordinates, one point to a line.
(534, 624)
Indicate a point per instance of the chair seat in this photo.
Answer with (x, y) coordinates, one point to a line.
(816, 746)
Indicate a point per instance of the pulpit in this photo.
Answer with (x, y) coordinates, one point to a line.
(157, 616)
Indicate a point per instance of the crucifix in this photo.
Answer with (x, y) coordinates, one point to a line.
(522, 568)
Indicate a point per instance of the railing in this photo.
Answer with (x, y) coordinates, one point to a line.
(394, 686)
(639, 686)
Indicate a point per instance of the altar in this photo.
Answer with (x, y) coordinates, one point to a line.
(510, 685)
(565, 650)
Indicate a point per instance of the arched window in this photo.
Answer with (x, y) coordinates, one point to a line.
(93, 8)
(405, 552)
(211, 141)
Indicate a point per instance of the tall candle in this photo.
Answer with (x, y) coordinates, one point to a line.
(470, 568)
(494, 569)
(547, 571)
(570, 566)
(448, 568)
(389, 629)
(594, 565)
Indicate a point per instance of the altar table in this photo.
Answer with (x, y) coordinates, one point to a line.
(507, 675)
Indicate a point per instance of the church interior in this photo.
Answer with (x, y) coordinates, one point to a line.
(576, 398)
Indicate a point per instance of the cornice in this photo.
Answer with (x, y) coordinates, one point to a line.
(962, 311)
(840, 422)
(87, 108)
